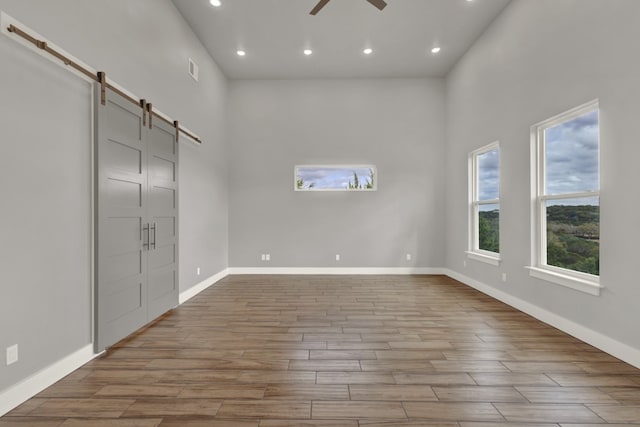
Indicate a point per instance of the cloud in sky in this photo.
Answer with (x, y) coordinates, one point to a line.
(331, 178)
(572, 155)
(572, 161)
(489, 175)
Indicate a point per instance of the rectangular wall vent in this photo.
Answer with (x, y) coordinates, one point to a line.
(193, 69)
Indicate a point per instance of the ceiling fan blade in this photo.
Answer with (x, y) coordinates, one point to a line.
(380, 4)
(320, 5)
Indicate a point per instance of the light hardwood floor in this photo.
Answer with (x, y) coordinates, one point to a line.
(274, 351)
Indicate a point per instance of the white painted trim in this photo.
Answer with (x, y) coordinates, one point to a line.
(609, 345)
(34, 384)
(488, 259)
(92, 203)
(29, 387)
(336, 270)
(199, 287)
(473, 210)
(24, 390)
(591, 287)
(570, 114)
(539, 200)
(334, 166)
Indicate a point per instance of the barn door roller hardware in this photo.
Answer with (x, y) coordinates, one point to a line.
(99, 77)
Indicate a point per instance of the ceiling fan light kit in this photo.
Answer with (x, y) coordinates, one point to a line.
(380, 4)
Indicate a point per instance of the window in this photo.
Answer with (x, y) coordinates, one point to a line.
(566, 196)
(335, 178)
(484, 207)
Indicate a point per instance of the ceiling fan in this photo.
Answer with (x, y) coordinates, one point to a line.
(380, 4)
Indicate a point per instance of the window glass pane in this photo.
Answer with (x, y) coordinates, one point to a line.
(573, 234)
(572, 155)
(489, 175)
(489, 228)
(346, 178)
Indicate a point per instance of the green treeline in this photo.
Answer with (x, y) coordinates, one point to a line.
(489, 231)
(357, 185)
(573, 234)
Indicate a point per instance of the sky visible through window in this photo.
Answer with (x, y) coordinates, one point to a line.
(488, 182)
(572, 167)
(572, 155)
(333, 177)
(489, 175)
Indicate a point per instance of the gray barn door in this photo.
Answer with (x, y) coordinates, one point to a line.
(163, 218)
(136, 231)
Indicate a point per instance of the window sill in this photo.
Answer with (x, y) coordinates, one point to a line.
(488, 259)
(587, 286)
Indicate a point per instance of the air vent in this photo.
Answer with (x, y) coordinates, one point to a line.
(193, 69)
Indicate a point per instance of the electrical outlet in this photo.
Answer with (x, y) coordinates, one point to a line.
(337, 257)
(267, 257)
(464, 263)
(263, 257)
(12, 354)
(504, 277)
(408, 257)
(198, 271)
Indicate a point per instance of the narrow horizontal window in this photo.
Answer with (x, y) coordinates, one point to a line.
(336, 178)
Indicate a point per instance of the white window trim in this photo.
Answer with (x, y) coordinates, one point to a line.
(348, 166)
(474, 252)
(584, 282)
(484, 256)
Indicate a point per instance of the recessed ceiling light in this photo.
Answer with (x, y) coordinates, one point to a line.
(215, 3)
(368, 51)
(241, 52)
(307, 52)
(435, 50)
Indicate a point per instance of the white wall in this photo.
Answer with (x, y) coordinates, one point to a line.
(45, 175)
(397, 125)
(538, 59)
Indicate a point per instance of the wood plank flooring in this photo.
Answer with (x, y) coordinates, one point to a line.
(374, 351)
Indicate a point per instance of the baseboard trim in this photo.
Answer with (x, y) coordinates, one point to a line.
(30, 386)
(199, 287)
(19, 393)
(609, 345)
(336, 270)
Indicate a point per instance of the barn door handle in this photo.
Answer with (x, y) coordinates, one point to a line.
(145, 237)
(154, 228)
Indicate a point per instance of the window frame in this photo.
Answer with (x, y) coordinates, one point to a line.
(585, 282)
(371, 167)
(474, 252)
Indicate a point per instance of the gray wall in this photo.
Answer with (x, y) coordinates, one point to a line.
(45, 162)
(398, 125)
(539, 59)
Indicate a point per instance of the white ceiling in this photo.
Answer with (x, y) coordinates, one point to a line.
(275, 32)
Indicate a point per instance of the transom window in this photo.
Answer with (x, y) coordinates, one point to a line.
(566, 174)
(484, 214)
(335, 178)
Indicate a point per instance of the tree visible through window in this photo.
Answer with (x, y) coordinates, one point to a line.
(335, 178)
(568, 191)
